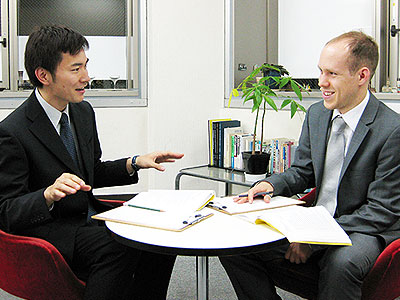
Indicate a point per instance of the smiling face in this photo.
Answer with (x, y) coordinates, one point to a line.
(68, 83)
(340, 88)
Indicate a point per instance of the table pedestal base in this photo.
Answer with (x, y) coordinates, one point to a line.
(202, 277)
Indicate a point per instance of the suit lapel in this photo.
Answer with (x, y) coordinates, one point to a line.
(83, 134)
(44, 131)
(361, 132)
(318, 142)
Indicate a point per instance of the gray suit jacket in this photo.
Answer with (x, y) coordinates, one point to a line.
(33, 156)
(369, 184)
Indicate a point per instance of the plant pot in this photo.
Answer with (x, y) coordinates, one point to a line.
(256, 163)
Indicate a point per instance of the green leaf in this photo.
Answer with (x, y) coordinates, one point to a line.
(254, 73)
(270, 102)
(296, 89)
(235, 92)
(301, 107)
(285, 102)
(247, 92)
(249, 97)
(284, 82)
(293, 109)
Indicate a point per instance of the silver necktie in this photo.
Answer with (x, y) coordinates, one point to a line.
(335, 153)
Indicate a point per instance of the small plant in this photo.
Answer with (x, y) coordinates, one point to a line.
(262, 93)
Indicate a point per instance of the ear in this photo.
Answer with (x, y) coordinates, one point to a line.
(364, 76)
(43, 76)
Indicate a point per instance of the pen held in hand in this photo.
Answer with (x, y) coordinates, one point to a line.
(148, 208)
(256, 194)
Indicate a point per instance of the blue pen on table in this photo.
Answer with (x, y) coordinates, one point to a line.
(148, 208)
(256, 194)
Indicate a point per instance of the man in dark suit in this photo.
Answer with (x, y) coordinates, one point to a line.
(48, 169)
(364, 200)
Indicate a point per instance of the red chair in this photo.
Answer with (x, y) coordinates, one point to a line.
(32, 268)
(383, 281)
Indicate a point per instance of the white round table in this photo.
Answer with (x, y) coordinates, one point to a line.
(219, 235)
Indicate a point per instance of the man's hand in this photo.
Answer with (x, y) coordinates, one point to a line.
(66, 184)
(260, 187)
(153, 160)
(298, 253)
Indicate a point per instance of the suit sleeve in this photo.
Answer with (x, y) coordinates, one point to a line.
(19, 207)
(300, 175)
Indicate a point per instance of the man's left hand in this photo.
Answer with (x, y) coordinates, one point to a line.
(298, 253)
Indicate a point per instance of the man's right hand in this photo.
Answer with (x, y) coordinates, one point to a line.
(66, 184)
(262, 186)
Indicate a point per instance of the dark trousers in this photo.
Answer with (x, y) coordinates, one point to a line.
(336, 272)
(114, 271)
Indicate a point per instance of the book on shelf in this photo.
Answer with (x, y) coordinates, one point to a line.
(222, 125)
(228, 206)
(228, 134)
(310, 225)
(216, 133)
(213, 141)
(281, 154)
(173, 210)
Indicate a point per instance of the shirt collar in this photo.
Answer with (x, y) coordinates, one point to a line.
(52, 113)
(353, 116)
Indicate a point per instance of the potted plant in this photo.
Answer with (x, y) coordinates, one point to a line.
(262, 91)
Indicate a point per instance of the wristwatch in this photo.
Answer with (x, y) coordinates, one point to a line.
(133, 163)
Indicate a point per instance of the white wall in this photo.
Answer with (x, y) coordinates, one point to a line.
(186, 69)
(186, 88)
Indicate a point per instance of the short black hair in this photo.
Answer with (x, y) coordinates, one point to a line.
(45, 47)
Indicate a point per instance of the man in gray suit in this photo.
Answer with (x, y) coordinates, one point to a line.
(365, 200)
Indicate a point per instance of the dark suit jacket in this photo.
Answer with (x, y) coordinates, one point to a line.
(369, 184)
(33, 156)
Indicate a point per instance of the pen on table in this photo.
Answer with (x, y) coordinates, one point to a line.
(256, 194)
(142, 207)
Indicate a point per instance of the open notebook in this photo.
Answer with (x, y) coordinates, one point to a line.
(311, 225)
(173, 210)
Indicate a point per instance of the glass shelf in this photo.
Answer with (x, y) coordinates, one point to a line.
(228, 176)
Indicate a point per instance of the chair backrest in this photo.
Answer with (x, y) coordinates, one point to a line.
(383, 281)
(32, 268)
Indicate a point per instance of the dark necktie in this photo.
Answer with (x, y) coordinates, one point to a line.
(68, 140)
(335, 153)
(67, 137)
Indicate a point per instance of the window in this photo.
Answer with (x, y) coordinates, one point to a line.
(113, 29)
(292, 34)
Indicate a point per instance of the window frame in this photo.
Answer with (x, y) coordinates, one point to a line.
(136, 60)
